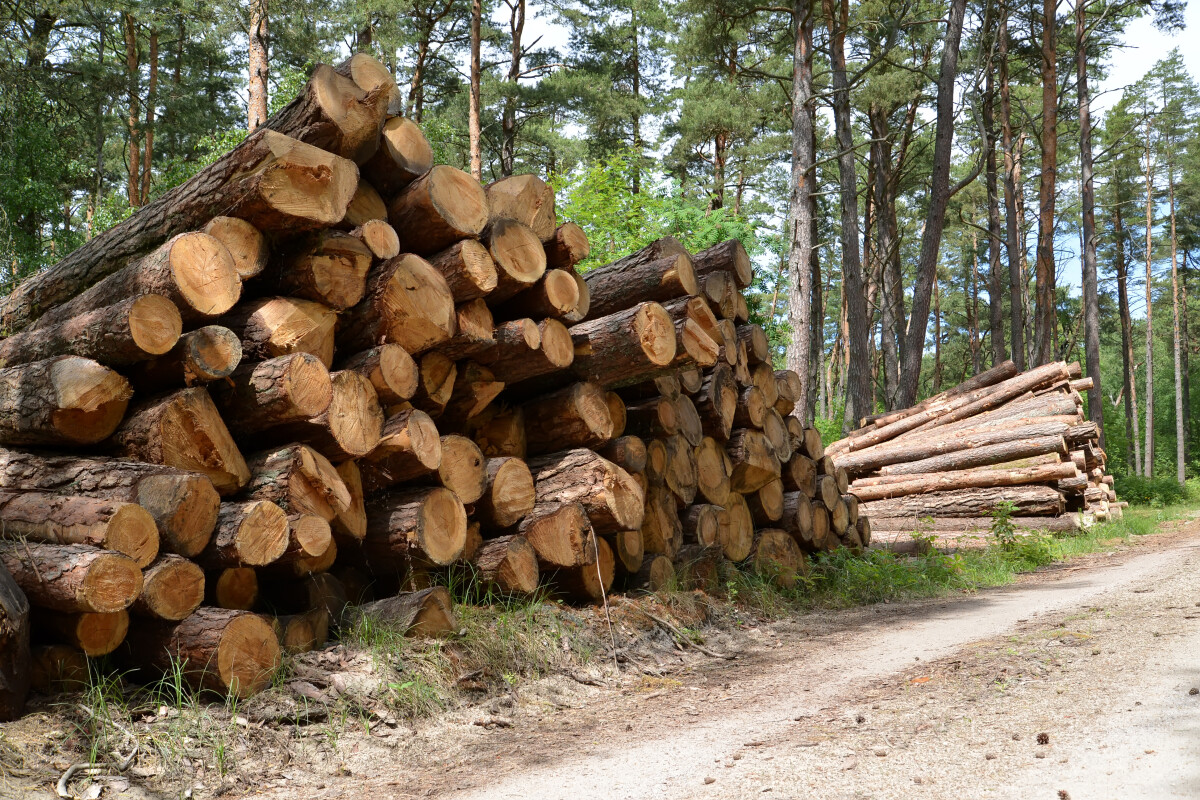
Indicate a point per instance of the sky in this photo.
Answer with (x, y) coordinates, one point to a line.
(1144, 45)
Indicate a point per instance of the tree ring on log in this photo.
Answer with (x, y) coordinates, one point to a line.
(90, 399)
(154, 324)
(205, 273)
(111, 582)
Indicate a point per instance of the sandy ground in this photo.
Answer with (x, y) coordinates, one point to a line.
(1075, 683)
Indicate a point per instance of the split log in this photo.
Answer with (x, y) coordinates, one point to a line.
(135, 329)
(72, 577)
(965, 479)
(555, 294)
(350, 427)
(422, 525)
(172, 588)
(560, 535)
(778, 558)
(473, 324)
(591, 582)
(251, 534)
(409, 448)
(200, 356)
(389, 368)
(329, 267)
(754, 461)
(656, 574)
(612, 499)
(437, 209)
(662, 530)
(95, 634)
(627, 452)
(702, 524)
(717, 402)
(737, 529)
(624, 348)
(463, 469)
(278, 326)
(269, 393)
(436, 375)
(577, 416)
(235, 588)
(428, 612)
(519, 257)
(1028, 501)
(660, 271)
(245, 243)
(729, 256)
(475, 387)
(183, 430)
(712, 471)
(514, 359)
(18, 667)
(351, 523)
(404, 155)
(62, 400)
(407, 302)
(526, 199)
(299, 480)
(220, 650)
(766, 505)
(508, 563)
(468, 269)
(567, 247)
(121, 527)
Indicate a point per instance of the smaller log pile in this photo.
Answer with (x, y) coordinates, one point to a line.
(943, 467)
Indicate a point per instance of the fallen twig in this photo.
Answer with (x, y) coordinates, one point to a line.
(679, 637)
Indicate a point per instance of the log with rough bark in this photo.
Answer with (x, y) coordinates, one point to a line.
(933, 445)
(404, 155)
(299, 480)
(233, 587)
(172, 588)
(751, 408)
(757, 346)
(436, 375)
(473, 325)
(408, 448)
(991, 377)
(656, 573)
(389, 368)
(220, 650)
(981, 455)
(1071, 522)
(589, 583)
(526, 199)
(422, 525)
(778, 558)
(1027, 500)
(407, 302)
(766, 505)
(475, 387)
(660, 271)
(72, 577)
(754, 460)
(278, 326)
(555, 294)
(329, 267)
(428, 612)
(523, 350)
(438, 209)
(276, 183)
(560, 534)
(800, 475)
(245, 243)
(63, 400)
(507, 563)
(519, 257)
(17, 667)
(468, 269)
(200, 356)
(350, 426)
(463, 469)
(576, 416)
(262, 395)
(718, 290)
(712, 471)
(183, 430)
(627, 452)
(378, 237)
(920, 483)
(737, 529)
(696, 332)
(624, 348)
(251, 534)
(500, 431)
(510, 493)
(567, 247)
(351, 523)
(121, 527)
(613, 500)
(729, 256)
(135, 329)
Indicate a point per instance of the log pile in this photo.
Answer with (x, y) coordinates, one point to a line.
(324, 369)
(945, 466)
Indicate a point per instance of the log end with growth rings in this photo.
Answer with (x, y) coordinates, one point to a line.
(308, 182)
(247, 655)
(112, 583)
(442, 527)
(154, 324)
(205, 273)
(89, 399)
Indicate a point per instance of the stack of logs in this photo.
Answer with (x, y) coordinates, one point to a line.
(945, 466)
(324, 368)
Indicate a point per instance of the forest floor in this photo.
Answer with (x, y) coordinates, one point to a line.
(1081, 680)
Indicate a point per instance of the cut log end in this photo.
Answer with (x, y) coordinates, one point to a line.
(111, 584)
(185, 508)
(205, 274)
(247, 655)
(510, 495)
(173, 588)
(245, 243)
(154, 324)
(463, 469)
(89, 399)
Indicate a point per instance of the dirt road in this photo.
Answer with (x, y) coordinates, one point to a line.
(1073, 684)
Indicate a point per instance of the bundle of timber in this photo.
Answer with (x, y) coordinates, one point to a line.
(325, 369)
(945, 466)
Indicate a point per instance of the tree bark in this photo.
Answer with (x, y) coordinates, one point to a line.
(408, 448)
(1046, 305)
(297, 479)
(612, 499)
(419, 525)
(509, 564)
(473, 126)
(407, 302)
(1091, 293)
(72, 577)
(256, 112)
(1029, 501)
(16, 662)
(121, 527)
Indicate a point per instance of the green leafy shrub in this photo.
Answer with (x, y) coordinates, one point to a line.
(1155, 492)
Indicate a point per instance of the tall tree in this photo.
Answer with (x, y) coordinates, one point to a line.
(1012, 217)
(802, 211)
(1091, 293)
(1046, 294)
(474, 130)
(1148, 469)
(257, 90)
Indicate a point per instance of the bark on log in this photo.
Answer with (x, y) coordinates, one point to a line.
(931, 446)
(712, 471)
(389, 368)
(436, 375)
(766, 505)
(428, 612)
(800, 475)
(627, 452)
(475, 387)
(567, 247)
(965, 479)
(500, 432)
(1028, 500)
(409, 448)
(172, 588)
(121, 527)
(980, 456)
(991, 377)
(94, 634)
(624, 348)
(407, 302)
(404, 155)
(508, 563)
(437, 209)
(468, 269)
(555, 294)
(729, 256)
(656, 573)
(797, 518)
(644, 275)
(473, 323)
(526, 199)
(695, 332)
(63, 400)
(273, 392)
(350, 427)
(200, 356)
(754, 461)
(577, 416)
(717, 402)
(778, 558)
(520, 353)
(72, 577)
(16, 663)
(510, 493)
(423, 525)
(299, 480)
(245, 243)
(612, 499)
(329, 267)
(519, 257)
(560, 534)
(278, 326)
(251, 534)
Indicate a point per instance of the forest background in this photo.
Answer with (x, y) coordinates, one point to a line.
(925, 186)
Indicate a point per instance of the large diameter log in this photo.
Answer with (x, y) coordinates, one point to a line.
(124, 528)
(797, 518)
(473, 323)
(329, 267)
(510, 493)
(389, 368)
(408, 448)
(729, 256)
(200, 356)
(965, 479)
(613, 500)
(522, 351)
(350, 426)
(299, 480)
(220, 650)
(268, 393)
(1026, 500)
(72, 577)
(132, 330)
(427, 612)
(183, 430)
(233, 587)
(463, 469)
(555, 294)
(407, 302)
(468, 269)
(426, 525)
(778, 558)
(335, 114)
(404, 155)
(63, 400)
(310, 547)
(583, 305)
(252, 534)
(751, 409)
(528, 200)
(696, 332)
(624, 348)
(567, 247)
(577, 416)
(589, 583)
(507, 563)
(560, 534)
(755, 463)
(437, 209)
(16, 662)
(638, 278)
(276, 326)
(800, 474)
(518, 255)
(172, 588)
(245, 243)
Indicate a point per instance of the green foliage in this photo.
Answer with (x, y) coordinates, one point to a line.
(1156, 492)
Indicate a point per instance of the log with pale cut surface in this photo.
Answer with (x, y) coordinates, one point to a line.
(468, 269)
(712, 471)
(425, 525)
(221, 650)
(589, 583)
(475, 387)
(754, 460)
(702, 524)
(690, 426)
(560, 534)
(981, 455)
(473, 331)
(407, 302)
(245, 243)
(827, 490)
(252, 533)
(718, 289)
(526, 199)
(757, 346)
(612, 499)
(726, 337)
(618, 413)
(624, 348)
(839, 518)
(583, 305)
(800, 475)
(18, 667)
(513, 359)
(349, 427)
(789, 389)
(299, 480)
(655, 418)
(728, 256)
(94, 634)
(72, 577)
(364, 206)
(510, 494)
(351, 523)
(797, 517)
(777, 434)
(695, 331)
(627, 452)
(172, 588)
(389, 368)
(62, 400)
(919, 483)
(200, 356)
(691, 378)
(273, 392)
(575, 416)
(766, 505)
(276, 326)
(655, 272)
(233, 587)
(403, 156)
(436, 374)
(717, 402)
(183, 429)
(427, 612)
(681, 473)
(408, 448)
(555, 294)
(567, 247)
(437, 209)
(378, 237)
(662, 530)
(500, 431)
(778, 558)
(508, 563)
(519, 257)
(298, 632)
(751, 408)
(328, 267)
(463, 469)
(737, 529)
(764, 379)
(628, 550)
(309, 538)
(656, 573)
(336, 114)
(812, 446)
(1027, 500)
(121, 527)
(132, 330)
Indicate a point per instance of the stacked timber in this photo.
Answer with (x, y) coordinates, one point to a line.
(325, 370)
(1002, 439)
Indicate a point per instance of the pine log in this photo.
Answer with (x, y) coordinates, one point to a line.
(800, 474)
(751, 408)
(662, 530)
(510, 493)
(425, 525)
(200, 356)
(589, 583)
(245, 243)
(172, 588)
(437, 209)
(797, 518)
(757, 346)
(778, 558)
(404, 155)
(655, 418)
(273, 392)
(329, 267)
(681, 474)
(718, 289)
(351, 523)
(617, 412)
(468, 269)
(965, 479)
(980, 456)
(252, 534)
(364, 206)
(652, 273)
(436, 375)
(754, 461)
(526, 199)
(712, 471)
(766, 505)
(18, 667)
(463, 469)
(409, 448)
(737, 529)
(299, 480)
(94, 634)
(612, 499)
(378, 237)
(234, 587)
(474, 541)
(628, 551)
(702, 524)
(121, 527)
(277, 326)
(813, 448)
(777, 434)
(62, 400)
(567, 247)
(473, 323)
(887, 526)
(514, 359)
(389, 368)
(624, 348)
(407, 302)
(691, 378)
(726, 337)
(475, 387)
(509, 564)
(428, 612)
(220, 650)
(350, 427)
(555, 294)
(72, 577)
(1028, 500)
(901, 454)
(729, 256)
(583, 305)
(694, 330)
(991, 377)
(560, 534)
(787, 392)
(717, 402)
(827, 490)
(656, 574)
(298, 633)
(627, 452)
(500, 432)
(519, 257)
(576, 416)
